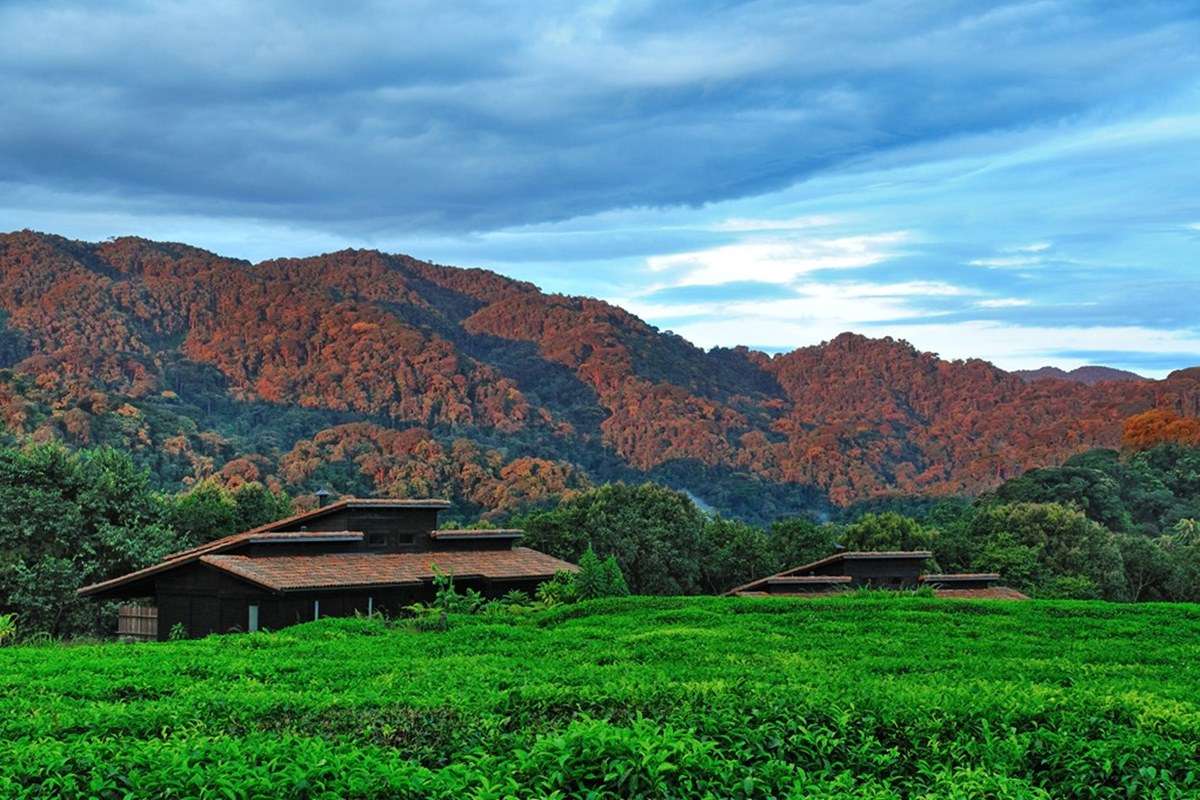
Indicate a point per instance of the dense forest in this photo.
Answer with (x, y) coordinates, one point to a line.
(1107, 525)
(1102, 526)
(379, 374)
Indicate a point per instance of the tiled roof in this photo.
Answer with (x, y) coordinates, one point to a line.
(305, 536)
(228, 542)
(306, 516)
(833, 559)
(861, 555)
(785, 580)
(346, 570)
(960, 576)
(221, 545)
(469, 534)
(990, 593)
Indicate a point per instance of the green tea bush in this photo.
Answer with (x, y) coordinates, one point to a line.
(860, 696)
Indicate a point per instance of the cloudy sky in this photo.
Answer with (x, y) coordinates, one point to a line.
(1017, 181)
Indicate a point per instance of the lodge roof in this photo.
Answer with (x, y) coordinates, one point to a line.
(862, 555)
(989, 593)
(785, 580)
(306, 516)
(262, 533)
(960, 576)
(906, 555)
(473, 534)
(218, 546)
(352, 570)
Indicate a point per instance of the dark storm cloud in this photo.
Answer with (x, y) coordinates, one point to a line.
(364, 117)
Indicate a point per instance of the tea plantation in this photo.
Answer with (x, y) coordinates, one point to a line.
(851, 697)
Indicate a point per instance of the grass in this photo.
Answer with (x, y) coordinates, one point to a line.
(875, 697)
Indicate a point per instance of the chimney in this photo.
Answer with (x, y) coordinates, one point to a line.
(323, 497)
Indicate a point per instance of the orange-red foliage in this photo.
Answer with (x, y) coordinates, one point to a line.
(412, 463)
(1160, 426)
(435, 360)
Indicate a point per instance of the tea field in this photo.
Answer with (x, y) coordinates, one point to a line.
(850, 697)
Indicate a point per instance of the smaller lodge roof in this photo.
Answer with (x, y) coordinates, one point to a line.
(915, 555)
(800, 580)
(472, 534)
(960, 577)
(863, 555)
(962, 585)
(990, 593)
(349, 570)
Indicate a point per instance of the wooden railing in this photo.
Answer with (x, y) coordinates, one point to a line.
(137, 622)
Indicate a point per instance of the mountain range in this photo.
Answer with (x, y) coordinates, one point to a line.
(375, 373)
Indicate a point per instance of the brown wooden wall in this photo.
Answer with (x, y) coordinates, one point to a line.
(137, 622)
(881, 573)
(386, 530)
(205, 600)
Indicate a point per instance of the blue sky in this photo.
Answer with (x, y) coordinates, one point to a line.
(1019, 182)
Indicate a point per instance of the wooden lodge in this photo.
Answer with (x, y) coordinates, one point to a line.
(350, 556)
(896, 569)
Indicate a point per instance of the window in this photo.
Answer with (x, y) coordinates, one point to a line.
(404, 538)
(316, 610)
(376, 540)
(252, 623)
(370, 606)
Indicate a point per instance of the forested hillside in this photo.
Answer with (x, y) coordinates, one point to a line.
(375, 373)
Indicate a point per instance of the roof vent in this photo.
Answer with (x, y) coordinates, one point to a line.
(323, 496)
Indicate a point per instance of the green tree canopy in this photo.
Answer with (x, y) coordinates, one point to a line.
(1149, 568)
(656, 534)
(1032, 544)
(887, 531)
(209, 511)
(735, 553)
(71, 519)
(1093, 491)
(799, 540)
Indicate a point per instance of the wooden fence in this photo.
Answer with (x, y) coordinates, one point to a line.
(137, 622)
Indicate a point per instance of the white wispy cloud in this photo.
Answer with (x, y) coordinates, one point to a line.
(1006, 262)
(823, 309)
(1003, 302)
(1020, 255)
(791, 224)
(778, 260)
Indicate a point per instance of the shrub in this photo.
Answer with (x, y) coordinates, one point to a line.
(614, 580)
(1069, 587)
(448, 598)
(559, 589)
(8, 628)
(598, 578)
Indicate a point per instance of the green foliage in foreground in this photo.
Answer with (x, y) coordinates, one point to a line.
(849, 697)
(73, 517)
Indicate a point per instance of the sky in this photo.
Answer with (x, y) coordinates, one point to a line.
(1013, 181)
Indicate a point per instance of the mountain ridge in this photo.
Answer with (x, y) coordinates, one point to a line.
(1090, 374)
(383, 373)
